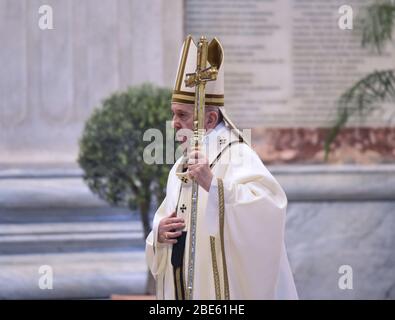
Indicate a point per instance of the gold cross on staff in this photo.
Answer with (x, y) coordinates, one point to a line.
(208, 74)
(202, 74)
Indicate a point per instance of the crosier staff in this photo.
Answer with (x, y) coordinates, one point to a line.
(197, 80)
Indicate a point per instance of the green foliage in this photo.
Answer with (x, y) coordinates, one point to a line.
(378, 25)
(363, 97)
(111, 147)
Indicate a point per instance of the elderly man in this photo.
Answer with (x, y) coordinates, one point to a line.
(240, 251)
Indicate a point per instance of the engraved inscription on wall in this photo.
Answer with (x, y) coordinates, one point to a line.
(287, 61)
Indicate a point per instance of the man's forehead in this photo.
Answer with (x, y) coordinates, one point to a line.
(181, 107)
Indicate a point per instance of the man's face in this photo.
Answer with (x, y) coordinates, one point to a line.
(182, 119)
(182, 116)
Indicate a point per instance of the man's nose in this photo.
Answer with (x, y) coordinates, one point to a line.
(176, 124)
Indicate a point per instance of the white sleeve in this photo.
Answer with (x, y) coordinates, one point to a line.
(155, 252)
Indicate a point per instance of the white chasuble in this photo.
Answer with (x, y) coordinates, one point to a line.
(240, 251)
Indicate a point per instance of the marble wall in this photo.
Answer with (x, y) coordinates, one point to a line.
(336, 216)
(52, 79)
(341, 216)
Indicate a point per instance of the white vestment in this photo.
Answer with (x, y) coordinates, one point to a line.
(251, 262)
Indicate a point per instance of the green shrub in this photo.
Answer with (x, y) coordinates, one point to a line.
(111, 149)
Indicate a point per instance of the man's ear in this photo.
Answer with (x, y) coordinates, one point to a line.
(212, 119)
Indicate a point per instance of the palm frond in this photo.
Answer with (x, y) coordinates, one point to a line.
(378, 24)
(362, 98)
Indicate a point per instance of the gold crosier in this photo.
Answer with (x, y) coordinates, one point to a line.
(198, 80)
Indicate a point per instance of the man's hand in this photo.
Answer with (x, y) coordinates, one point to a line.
(170, 228)
(199, 169)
